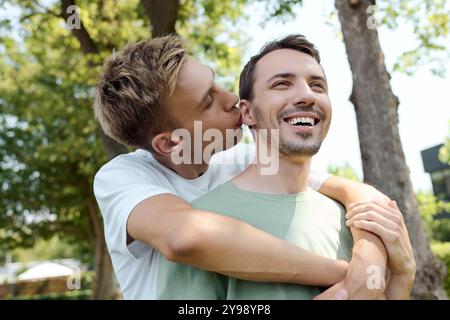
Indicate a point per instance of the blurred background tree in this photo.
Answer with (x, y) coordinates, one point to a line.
(51, 146)
(345, 171)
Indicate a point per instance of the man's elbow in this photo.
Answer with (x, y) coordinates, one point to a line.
(185, 246)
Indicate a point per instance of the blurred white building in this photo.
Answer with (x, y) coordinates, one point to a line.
(35, 270)
(46, 270)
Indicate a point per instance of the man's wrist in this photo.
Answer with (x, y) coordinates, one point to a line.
(399, 287)
(361, 283)
(369, 249)
(367, 267)
(363, 269)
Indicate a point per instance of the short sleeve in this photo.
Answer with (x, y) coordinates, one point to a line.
(316, 179)
(119, 187)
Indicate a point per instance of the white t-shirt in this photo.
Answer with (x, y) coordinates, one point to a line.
(124, 182)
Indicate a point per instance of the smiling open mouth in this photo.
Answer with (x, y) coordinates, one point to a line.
(303, 121)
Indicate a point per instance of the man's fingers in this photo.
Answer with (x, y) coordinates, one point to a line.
(365, 206)
(360, 203)
(388, 212)
(386, 235)
(393, 204)
(383, 219)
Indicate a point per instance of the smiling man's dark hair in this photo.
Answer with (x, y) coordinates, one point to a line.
(294, 41)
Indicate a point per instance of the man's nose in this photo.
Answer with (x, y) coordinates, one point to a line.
(230, 101)
(304, 96)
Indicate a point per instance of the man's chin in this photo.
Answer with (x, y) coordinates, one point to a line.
(299, 151)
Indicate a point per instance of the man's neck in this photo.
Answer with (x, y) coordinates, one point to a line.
(187, 171)
(290, 178)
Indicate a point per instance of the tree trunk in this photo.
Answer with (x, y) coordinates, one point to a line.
(382, 155)
(163, 15)
(104, 275)
(103, 287)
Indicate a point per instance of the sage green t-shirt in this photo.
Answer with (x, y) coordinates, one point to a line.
(308, 219)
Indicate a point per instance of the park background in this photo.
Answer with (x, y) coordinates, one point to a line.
(394, 53)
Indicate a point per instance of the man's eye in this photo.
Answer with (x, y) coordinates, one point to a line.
(211, 101)
(318, 85)
(280, 83)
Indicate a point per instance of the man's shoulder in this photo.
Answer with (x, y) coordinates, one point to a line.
(131, 168)
(132, 161)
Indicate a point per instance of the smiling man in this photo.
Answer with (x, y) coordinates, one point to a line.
(146, 91)
(284, 89)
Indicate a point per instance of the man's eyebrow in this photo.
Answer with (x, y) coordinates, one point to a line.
(317, 77)
(209, 90)
(281, 75)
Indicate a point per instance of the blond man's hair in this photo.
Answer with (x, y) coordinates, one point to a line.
(129, 102)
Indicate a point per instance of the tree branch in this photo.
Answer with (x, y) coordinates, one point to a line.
(163, 15)
(84, 38)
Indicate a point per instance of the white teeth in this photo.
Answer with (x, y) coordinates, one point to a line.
(295, 121)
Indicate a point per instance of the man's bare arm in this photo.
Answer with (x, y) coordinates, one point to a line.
(368, 249)
(219, 243)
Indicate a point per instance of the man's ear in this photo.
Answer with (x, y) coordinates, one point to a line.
(163, 144)
(246, 112)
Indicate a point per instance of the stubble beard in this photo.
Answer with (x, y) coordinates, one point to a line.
(291, 149)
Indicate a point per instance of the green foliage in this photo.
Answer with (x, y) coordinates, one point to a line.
(430, 21)
(345, 171)
(444, 152)
(442, 252)
(281, 10)
(214, 33)
(69, 295)
(429, 207)
(52, 249)
(50, 146)
(49, 142)
(438, 229)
